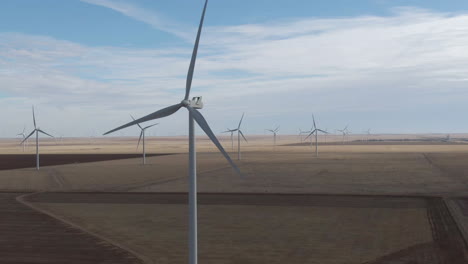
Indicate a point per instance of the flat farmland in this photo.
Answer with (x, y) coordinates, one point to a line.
(238, 228)
(32, 237)
(283, 171)
(355, 203)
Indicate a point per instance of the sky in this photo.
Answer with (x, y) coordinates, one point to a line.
(392, 66)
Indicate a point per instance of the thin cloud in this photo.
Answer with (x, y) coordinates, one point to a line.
(152, 18)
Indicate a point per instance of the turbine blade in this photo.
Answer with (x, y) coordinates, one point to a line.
(313, 119)
(311, 133)
(139, 139)
(240, 122)
(34, 117)
(45, 133)
(188, 84)
(158, 114)
(204, 125)
(242, 134)
(151, 125)
(277, 128)
(137, 123)
(322, 131)
(28, 136)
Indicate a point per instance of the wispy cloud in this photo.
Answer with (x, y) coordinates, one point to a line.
(154, 19)
(409, 61)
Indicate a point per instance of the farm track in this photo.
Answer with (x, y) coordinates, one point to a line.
(29, 236)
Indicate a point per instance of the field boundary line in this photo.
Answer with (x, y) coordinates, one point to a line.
(22, 199)
(457, 217)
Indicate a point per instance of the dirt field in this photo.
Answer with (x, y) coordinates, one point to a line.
(28, 236)
(386, 172)
(293, 229)
(18, 161)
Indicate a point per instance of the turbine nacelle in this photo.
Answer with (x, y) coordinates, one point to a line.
(195, 103)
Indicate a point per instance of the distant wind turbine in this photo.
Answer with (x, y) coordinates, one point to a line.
(23, 135)
(232, 136)
(36, 130)
(274, 131)
(194, 115)
(315, 131)
(302, 133)
(239, 134)
(344, 132)
(142, 135)
(368, 132)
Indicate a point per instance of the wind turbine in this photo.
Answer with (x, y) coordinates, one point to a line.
(274, 131)
(194, 115)
(23, 135)
(232, 136)
(344, 132)
(142, 135)
(239, 134)
(368, 134)
(36, 130)
(301, 133)
(315, 131)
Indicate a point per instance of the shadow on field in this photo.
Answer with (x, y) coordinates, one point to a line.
(18, 161)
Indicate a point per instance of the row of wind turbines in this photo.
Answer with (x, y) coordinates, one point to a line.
(313, 132)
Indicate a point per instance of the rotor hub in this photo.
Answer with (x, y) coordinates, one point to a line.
(185, 102)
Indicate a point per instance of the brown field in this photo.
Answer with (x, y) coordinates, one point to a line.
(32, 237)
(373, 202)
(239, 228)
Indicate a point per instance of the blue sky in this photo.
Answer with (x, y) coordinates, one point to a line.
(391, 65)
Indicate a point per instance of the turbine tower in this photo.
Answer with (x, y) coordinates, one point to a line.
(368, 134)
(194, 116)
(315, 131)
(142, 135)
(344, 132)
(274, 131)
(36, 130)
(232, 136)
(239, 134)
(23, 135)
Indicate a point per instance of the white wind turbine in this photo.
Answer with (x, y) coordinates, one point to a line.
(368, 134)
(36, 130)
(142, 135)
(344, 132)
(23, 135)
(239, 134)
(315, 131)
(232, 136)
(194, 115)
(274, 131)
(302, 133)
